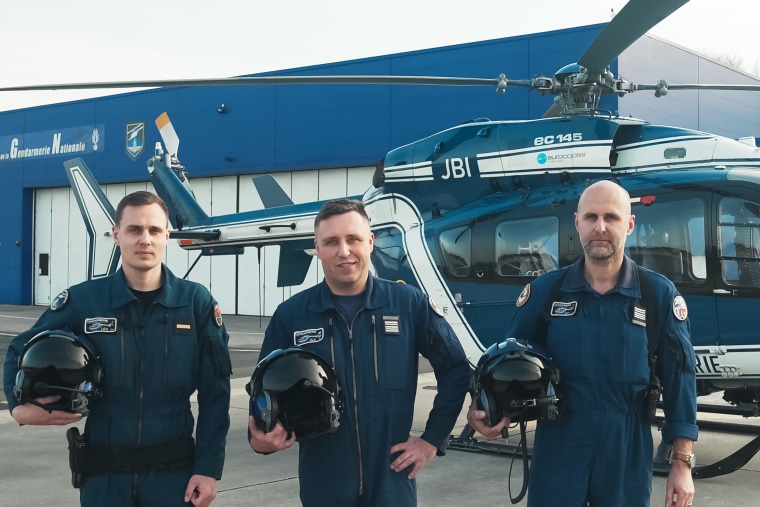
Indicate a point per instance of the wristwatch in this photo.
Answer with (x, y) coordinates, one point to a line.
(689, 459)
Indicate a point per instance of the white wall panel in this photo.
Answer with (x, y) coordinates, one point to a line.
(249, 293)
(223, 274)
(42, 229)
(332, 183)
(305, 186)
(359, 180)
(79, 241)
(59, 241)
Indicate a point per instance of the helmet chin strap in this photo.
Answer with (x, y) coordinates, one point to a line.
(523, 447)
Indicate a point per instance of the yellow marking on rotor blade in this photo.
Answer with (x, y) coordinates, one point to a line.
(162, 120)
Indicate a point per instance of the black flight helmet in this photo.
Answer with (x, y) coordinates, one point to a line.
(516, 380)
(58, 362)
(298, 388)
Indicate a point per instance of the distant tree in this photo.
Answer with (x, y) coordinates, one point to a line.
(737, 62)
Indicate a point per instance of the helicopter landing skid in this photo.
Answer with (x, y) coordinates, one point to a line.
(730, 463)
(466, 441)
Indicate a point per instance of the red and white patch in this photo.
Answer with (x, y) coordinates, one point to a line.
(524, 296)
(679, 308)
(217, 314)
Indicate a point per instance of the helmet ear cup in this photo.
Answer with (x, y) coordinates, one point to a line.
(486, 402)
(264, 411)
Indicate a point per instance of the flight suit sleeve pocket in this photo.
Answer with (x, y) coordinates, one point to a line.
(682, 352)
(219, 353)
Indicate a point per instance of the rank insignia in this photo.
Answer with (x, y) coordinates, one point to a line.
(390, 322)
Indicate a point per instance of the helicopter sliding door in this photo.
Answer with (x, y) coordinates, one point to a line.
(670, 236)
(737, 288)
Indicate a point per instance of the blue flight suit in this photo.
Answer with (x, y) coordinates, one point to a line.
(375, 356)
(601, 450)
(153, 361)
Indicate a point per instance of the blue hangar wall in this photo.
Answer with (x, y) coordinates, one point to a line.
(297, 127)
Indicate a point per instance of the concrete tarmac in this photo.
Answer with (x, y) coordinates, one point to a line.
(34, 460)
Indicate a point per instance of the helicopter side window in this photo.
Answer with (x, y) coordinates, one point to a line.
(456, 247)
(668, 237)
(527, 247)
(739, 242)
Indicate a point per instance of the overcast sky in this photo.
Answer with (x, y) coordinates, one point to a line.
(50, 41)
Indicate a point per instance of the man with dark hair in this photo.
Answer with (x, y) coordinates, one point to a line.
(160, 339)
(372, 332)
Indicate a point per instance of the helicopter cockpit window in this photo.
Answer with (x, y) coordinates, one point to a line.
(527, 247)
(739, 242)
(669, 237)
(456, 249)
(675, 152)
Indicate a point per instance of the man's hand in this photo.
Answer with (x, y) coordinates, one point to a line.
(275, 440)
(415, 452)
(34, 415)
(679, 489)
(475, 420)
(201, 490)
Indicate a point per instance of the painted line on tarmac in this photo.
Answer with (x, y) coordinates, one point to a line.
(17, 317)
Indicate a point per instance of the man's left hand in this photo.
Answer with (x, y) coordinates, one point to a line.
(415, 452)
(201, 490)
(679, 491)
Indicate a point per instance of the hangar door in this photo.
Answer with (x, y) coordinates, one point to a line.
(245, 284)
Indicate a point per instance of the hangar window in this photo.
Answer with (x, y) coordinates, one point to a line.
(527, 247)
(739, 242)
(456, 249)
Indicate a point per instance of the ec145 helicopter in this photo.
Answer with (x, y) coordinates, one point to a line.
(473, 213)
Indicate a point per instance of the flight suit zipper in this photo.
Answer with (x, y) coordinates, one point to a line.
(123, 359)
(374, 340)
(356, 400)
(166, 347)
(140, 342)
(332, 341)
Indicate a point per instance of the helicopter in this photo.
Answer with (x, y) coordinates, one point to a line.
(474, 212)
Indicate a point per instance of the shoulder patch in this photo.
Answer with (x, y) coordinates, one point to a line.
(679, 308)
(217, 314)
(400, 281)
(434, 307)
(524, 296)
(60, 300)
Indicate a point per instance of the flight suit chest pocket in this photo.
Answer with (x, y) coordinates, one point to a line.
(393, 343)
(179, 350)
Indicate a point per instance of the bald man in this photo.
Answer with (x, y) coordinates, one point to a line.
(599, 452)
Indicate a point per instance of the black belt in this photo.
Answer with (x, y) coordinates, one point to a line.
(134, 460)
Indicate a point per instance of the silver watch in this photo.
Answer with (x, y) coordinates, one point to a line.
(689, 459)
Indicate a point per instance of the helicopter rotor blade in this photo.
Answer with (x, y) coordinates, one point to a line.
(168, 134)
(500, 82)
(633, 21)
(662, 87)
